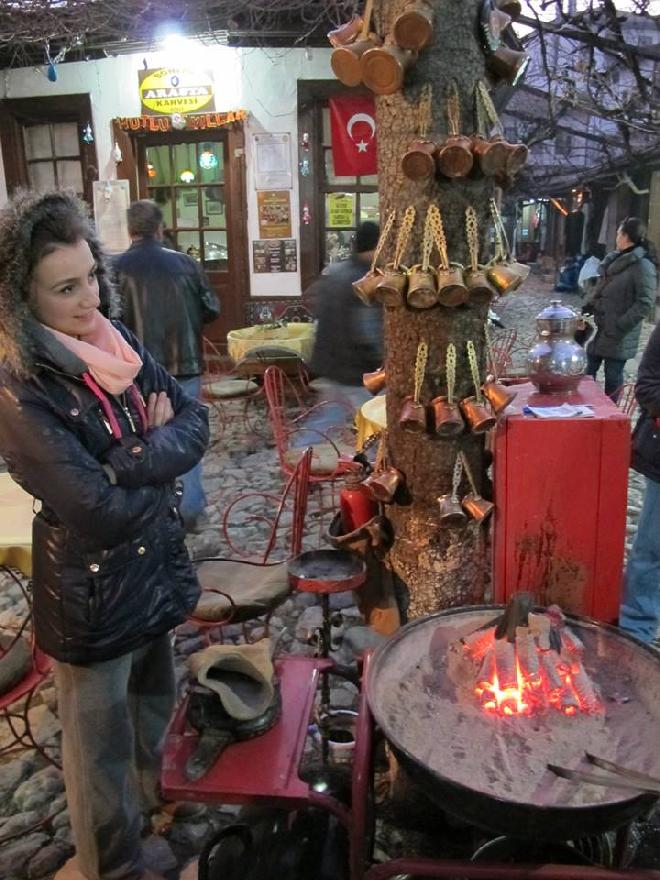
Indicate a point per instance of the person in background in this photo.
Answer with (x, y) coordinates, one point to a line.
(640, 607)
(98, 432)
(165, 300)
(589, 273)
(623, 297)
(349, 336)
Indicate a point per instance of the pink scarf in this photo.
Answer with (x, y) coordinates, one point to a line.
(109, 358)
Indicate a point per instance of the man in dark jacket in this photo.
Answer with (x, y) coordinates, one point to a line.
(349, 335)
(165, 301)
(624, 296)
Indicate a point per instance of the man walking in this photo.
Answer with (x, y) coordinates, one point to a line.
(165, 301)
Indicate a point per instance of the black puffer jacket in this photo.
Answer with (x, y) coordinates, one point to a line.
(110, 568)
(165, 300)
(624, 295)
(646, 436)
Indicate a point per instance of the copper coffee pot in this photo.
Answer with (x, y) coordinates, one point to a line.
(418, 161)
(413, 27)
(451, 289)
(476, 506)
(422, 282)
(366, 288)
(413, 413)
(478, 285)
(504, 273)
(475, 409)
(447, 419)
(392, 286)
(346, 33)
(346, 60)
(374, 382)
(498, 395)
(383, 67)
(492, 155)
(452, 514)
(453, 156)
(385, 480)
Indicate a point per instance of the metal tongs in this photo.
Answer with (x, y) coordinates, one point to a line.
(620, 777)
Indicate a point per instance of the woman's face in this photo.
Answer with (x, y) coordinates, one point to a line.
(65, 290)
(622, 240)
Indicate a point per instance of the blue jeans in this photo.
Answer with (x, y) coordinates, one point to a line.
(193, 502)
(640, 609)
(613, 372)
(114, 715)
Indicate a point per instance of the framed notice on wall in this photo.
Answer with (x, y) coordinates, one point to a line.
(272, 161)
(111, 201)
(274, 213)
(279, 255)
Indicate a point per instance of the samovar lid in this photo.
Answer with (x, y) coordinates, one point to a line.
(556, 311)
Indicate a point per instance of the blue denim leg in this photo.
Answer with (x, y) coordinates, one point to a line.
(613, 376)
(640, 609)
(193, 502)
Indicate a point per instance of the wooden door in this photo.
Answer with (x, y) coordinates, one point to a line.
(198, 179)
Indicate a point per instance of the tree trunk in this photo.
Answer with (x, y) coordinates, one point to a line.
(438, 567)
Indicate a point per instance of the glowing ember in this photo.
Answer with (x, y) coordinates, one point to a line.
(531, 668)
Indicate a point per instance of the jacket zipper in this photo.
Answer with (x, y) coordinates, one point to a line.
(127, 412)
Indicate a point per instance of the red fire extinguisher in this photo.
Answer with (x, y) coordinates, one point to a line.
(356, 505)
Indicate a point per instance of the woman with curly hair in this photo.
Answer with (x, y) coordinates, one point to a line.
(97, 431)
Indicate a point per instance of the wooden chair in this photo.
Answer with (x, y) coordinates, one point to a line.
(251, 583)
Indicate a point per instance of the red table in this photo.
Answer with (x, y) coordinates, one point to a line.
(561, 493)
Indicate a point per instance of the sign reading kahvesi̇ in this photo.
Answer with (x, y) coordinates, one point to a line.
(176, 90)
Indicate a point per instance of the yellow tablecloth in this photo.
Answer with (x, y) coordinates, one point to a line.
(298, 337)
(15, 526)
(370, 419)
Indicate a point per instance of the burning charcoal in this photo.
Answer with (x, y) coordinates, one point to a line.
(569, 702)
(486, 676)
(571, 642)
(528, 659)
(539, 625)
(552, 680)
(505, 664)
(477, 643)
(584, 690)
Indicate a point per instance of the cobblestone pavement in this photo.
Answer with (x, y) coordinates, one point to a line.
(35, 836)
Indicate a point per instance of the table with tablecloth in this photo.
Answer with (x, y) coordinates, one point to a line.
(370, 419)
(16, 513)
(297, 337)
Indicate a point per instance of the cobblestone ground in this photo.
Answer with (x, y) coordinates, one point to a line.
(35, 836)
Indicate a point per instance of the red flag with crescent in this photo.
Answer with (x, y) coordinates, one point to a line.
(353, 130)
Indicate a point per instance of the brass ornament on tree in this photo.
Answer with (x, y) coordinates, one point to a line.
(413, 413)
(447, 418)
(451, 288)
(477, 283)
(452, 514)
(418, 162)
(422, 283)
(454, 157)
(474, 408)
(365, 287)
(413, 26)
(392, 286)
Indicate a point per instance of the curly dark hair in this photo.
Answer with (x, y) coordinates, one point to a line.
(32, 225)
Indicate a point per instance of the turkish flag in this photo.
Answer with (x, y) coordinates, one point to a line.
(353, 130)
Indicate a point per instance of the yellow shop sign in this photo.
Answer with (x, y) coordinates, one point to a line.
(176, 90)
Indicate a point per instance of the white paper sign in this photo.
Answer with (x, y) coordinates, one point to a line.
(272, 161)
(111, 201)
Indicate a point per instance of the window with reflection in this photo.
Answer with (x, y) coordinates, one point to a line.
(187, 181)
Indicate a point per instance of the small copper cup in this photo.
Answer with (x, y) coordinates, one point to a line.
(384, 67)
(497, 395)
(479, 288)
(365, 287)
(392, 287)
(516, 159)
(477, 507)
(383, 486)
(513, 8)
(503, 278)
(413, 416)
(346, 33)
(422, 288)
(447, 418)
(374, 382)
(418, 162)
(522, 269)
(453, 157)
(492, 155)
(346, 60)
(477, 415)
(413, 27)
(452, 515)
(506, 63)
(452, 291)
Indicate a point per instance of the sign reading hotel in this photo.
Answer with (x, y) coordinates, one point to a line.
(175, 90)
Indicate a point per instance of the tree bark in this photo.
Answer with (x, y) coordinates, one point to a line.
(437, 567)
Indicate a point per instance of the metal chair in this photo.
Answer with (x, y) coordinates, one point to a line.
(626, 400)
(248, 585)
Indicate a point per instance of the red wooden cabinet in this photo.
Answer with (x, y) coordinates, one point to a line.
(560, 488)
